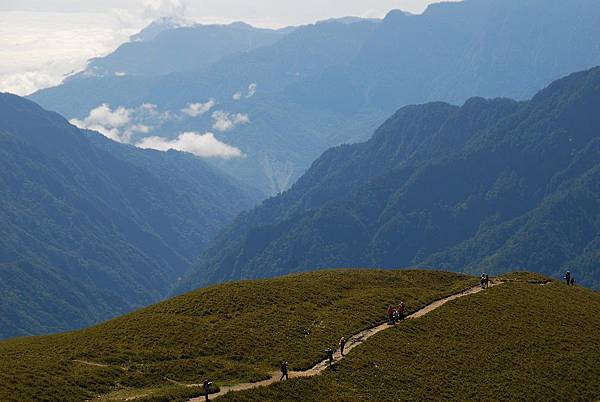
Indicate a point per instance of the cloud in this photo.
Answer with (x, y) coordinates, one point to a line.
(202, 145)
(251, 90)
(164, 8)
(198, 109)
(223, 121)
(103, 115)
(237, 96)
(121, 124)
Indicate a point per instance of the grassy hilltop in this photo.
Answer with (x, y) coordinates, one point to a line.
(230, 333)
(516, 341)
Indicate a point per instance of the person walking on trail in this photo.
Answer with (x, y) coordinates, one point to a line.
(568, 277)
(342, 345)
(482, 281)
(329, 352)
(572, 280)
(401, 310)
(487, 281)
(206, 386)
(396, 316)
(284, 371)
(390, 314)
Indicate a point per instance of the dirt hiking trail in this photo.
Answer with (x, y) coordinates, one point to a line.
(351, 343)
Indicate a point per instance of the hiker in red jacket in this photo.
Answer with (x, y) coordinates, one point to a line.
(401, 310)
(390, 313)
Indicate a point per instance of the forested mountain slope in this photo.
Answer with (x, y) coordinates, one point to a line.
(90, 229)
(494, 185)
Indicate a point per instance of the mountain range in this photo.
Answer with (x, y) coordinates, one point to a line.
(334, 82)
(91, 228)
(494, 185)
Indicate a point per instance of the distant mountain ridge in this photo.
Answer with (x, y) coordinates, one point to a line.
(332, 82)
(90, 229)
(495, 185)
(170, 46)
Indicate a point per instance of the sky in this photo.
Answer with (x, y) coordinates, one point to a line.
(42, 41)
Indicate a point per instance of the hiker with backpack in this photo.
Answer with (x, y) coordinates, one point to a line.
(390, 314)
(482, 281)
(487, 281)
(284, 371)
(342, 345)
(568, 277)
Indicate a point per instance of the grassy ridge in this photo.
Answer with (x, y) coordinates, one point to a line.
(230, 333)
(518, 341)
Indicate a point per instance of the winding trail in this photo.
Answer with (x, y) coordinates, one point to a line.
(351, 343)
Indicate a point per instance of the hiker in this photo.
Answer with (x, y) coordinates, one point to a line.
(390, 313)
(329, 352)
(342, 345)
(396, 316)
(572, 280)
(568, 277)
(487, 281)
(284, 371)
(482, 281)
(206, 386)
(401, 310)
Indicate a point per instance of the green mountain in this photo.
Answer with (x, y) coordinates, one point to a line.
(494, 185)
(482, 347)
(90, 229)
(230, 333)
(332, 83)
(478, 346)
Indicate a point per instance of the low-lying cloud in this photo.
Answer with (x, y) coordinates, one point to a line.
(224, 121)
(133, 125)
(202, 145)
(198, 109)
(122, 124)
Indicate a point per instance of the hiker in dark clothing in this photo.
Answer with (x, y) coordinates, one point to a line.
(482, 281)
(390, 314)
(568, 277)
(342, 345)
(284, 371)
(396, 316)
(572, 280)
(329, 352)
(487, 281)
(206, 387)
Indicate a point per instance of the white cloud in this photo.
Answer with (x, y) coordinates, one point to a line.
(120, 124)
(103, 115)
(164, 8)
(202, 145)
(38, 49)
(198, 109)
(237, 96)
(223, 121)
(252, 90)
